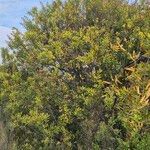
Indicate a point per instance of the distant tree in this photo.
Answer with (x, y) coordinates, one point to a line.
(79, 77)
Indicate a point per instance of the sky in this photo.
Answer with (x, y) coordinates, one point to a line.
(11, 13)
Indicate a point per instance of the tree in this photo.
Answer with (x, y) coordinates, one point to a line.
(78, 77)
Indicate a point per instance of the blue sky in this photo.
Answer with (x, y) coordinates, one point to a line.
(11, 12)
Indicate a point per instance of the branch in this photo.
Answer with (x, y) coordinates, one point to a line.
(144, 59)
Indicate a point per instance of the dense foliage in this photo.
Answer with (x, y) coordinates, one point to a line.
(78, 77)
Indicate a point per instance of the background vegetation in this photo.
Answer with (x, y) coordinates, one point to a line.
(78, 78)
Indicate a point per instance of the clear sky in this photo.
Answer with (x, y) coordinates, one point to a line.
(11, 12)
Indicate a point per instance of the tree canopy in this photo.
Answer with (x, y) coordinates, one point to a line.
(78, 77)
